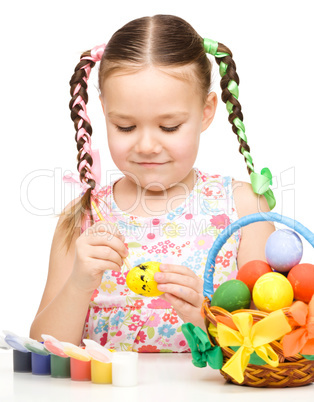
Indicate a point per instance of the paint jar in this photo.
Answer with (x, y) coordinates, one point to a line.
(80, 370)
(60, 366)
(101, 373)
(40, 364)
(125, 369)
(22, 361)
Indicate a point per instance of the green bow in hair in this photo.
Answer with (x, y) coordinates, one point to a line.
(260, 183)
(202, 351)
(211, 47)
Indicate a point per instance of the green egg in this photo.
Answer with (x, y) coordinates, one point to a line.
(232, 295)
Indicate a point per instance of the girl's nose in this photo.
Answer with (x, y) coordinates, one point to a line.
(148, 142)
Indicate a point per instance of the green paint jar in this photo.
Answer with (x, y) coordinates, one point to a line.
(60, 367)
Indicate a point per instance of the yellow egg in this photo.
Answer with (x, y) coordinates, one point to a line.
(272, 291)
(140, 279)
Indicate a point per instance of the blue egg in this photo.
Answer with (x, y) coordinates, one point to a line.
(283, 250)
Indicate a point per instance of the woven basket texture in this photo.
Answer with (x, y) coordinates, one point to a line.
(293, 371)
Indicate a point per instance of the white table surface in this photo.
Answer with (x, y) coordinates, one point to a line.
(162, 377)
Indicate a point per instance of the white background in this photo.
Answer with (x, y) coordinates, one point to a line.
(272, 45)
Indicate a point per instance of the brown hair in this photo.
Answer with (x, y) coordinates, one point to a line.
(162, 41)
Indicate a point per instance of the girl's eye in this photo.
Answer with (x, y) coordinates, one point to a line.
(167, 129)
(170, 129)
(124, 129)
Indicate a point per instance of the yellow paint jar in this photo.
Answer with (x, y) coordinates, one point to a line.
(101, 372)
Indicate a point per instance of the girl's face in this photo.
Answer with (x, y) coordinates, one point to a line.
(156, 119)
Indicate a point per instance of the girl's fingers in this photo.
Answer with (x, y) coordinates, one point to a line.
(106, 254)
(178, 304)
(104, 246)
(178, 269)
(104, 265)
(194, 283)
(101, 240)
(183, 290)
(185, 294)
(180, 275)
(186, 311)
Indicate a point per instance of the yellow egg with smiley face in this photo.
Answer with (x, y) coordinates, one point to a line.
(140, 279)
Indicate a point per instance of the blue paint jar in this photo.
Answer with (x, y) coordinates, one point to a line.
(40, 364)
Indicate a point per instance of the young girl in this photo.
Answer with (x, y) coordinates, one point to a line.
(154, 80)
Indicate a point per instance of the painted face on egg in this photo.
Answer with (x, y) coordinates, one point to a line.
(140, 279)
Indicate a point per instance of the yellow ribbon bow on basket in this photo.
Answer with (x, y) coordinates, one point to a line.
(251, 338)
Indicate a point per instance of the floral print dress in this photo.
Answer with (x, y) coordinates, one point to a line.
(120, 319)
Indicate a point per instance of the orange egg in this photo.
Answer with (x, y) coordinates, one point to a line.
(251, 271)
(301, 277)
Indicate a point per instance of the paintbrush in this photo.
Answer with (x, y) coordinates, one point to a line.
(126, 261)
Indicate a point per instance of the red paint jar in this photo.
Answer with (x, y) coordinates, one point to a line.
(80, 370)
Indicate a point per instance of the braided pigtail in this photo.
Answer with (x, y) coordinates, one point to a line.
(79, 116)
(230, 93)
(88, 164)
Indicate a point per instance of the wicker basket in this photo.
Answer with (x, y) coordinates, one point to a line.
(293, 371)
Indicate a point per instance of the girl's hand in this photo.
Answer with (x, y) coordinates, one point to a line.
(183, 290)
(97, 249)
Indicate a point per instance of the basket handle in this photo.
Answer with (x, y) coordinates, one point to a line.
(222, 238)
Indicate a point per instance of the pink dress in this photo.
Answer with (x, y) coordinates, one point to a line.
(120, 319)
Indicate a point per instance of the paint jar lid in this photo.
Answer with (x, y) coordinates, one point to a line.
(3, 344)
(15, 341)
(98, 352)
(53, 345)
(75, 352)
(36, 347)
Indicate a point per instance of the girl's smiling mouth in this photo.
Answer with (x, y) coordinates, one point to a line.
(151, 165)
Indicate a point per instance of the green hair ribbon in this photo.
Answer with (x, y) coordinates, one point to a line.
(260, 182)
(211, 47)
(202, 350)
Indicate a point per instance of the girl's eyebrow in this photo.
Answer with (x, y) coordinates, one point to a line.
(166, 115)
